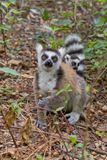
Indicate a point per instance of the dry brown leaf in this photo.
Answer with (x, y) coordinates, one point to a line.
(104, 139)
(27, 76)
(11, 153)
(10, 117)
(102, 127)
(94, 91)
(104, 108)
(14, 62)
(26, 131)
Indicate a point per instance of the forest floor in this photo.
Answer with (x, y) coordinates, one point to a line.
(20, 139)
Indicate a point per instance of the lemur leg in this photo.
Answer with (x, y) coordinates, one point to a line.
(78, 105)
(41, 121)
(41, 112)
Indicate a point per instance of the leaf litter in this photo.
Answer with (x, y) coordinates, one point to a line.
(33, 143)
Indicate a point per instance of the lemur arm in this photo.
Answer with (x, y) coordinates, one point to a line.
(51, 103)
(41, 112)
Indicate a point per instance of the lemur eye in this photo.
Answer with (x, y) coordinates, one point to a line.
(44, 57)
(73, 63)
(55, 59)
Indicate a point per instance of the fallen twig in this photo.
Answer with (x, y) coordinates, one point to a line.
(97, 151)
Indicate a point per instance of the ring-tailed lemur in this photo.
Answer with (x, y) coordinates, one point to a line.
(56, 85)
(73, 54)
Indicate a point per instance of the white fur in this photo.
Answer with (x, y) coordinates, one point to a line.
(80, 56)
(38, 48)
(74, 47)
(47, 81)
(62, 51)
(71, 38)
(81, 67)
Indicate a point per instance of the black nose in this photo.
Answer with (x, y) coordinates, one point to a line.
(48, 63)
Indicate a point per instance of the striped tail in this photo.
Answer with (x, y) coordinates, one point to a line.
(74, 55)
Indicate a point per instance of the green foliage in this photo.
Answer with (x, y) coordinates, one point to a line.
(49, 38)
(45, 14)
(39, 157)
(16, 107)
(62, 25)
(66, 88)
(73, 139)
(79, 145)
(55, 43)
(102, 1)
(63, 22)
(101, 134)
(6, 90)
(12, 1)
(9, 71)
(96, 50)
(42, 36)
(8, 18)
(66, 14)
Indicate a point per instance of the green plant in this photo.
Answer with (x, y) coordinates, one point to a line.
(55, 43)
(8, 70)
(15, 106)
(39, 157)
(73, 139)
(8, 16)
(66, 14)
(45, 14)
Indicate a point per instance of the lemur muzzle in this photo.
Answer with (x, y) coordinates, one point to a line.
(48, 63)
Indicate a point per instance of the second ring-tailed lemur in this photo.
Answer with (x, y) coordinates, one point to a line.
(56, 84)
(73, 54)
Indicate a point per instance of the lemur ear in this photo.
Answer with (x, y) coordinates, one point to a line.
(62, 51)
(39, 48)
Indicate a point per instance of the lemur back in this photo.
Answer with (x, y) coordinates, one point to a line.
(73, 54)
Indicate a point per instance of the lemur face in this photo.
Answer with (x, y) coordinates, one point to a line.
(50, 60)
(72, 61)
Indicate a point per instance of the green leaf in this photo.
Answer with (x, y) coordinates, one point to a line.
(15, 11)
(88, 88)
(64, 22)
(66, 88)
(6, 4)
(39, 157)
(2, 9)
(105, 32)
(66, 13)
(102, 1)
(9, 71)
(12, 1)
(73, 139)
(15, 106)
(98, 133)
(45, 14)
(101, 21)
(79, 145)
(4, 27)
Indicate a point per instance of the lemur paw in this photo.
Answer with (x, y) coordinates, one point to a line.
(40, 124)
(74, 117)
(43, 102)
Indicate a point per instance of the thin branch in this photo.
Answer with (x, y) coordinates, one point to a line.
(97, 151)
